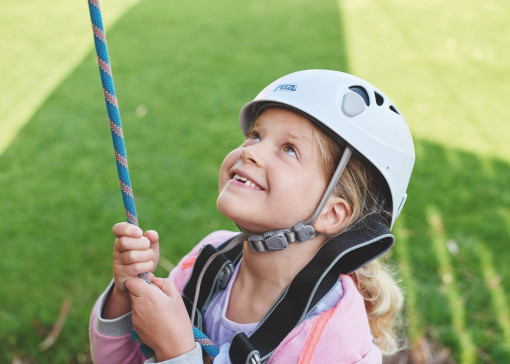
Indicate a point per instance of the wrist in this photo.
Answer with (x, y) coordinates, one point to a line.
(174, 351)
(117, 303)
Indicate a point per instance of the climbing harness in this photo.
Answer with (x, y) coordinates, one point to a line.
(343, 254)
(112, 107)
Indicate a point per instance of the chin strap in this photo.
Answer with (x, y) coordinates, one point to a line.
(278, 239)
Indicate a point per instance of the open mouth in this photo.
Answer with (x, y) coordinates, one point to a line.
(246, 181)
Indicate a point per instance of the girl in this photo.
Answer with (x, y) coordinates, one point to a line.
(315, 189)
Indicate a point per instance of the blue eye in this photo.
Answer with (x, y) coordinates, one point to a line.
(254, 136)
(290, 150)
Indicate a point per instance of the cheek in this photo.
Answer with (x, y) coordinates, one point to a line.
(226, 166)
(311, 190)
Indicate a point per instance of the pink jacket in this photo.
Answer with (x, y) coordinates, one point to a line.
(338, 335)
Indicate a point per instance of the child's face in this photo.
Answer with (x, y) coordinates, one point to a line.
(274, 179)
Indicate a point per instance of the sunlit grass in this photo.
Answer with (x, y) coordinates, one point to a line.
(42, 43)
(445, 64)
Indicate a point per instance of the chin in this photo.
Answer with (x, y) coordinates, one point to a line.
(224, 207)
(232, 212)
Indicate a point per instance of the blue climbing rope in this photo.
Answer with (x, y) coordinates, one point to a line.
(112, 108)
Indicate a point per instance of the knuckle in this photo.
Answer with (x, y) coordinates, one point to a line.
(137, 268)
(120, 243)
(133, 269)
(130, 256)
(145, 242)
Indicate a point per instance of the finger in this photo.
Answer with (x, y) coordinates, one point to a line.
(152, 235)
(138, 268)
(135, 256)
(127, 229)
(125, 243)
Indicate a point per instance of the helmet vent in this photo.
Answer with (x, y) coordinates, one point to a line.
(362, 92)
(379, 100)
(394, 109)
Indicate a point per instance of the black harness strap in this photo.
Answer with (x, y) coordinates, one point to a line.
(340, 255)
(215, 279)
(343, 254)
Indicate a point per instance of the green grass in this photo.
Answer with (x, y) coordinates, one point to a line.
(445, 64)
(458, 296)
(182, 71)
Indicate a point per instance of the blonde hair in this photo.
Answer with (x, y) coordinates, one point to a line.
(359, 187)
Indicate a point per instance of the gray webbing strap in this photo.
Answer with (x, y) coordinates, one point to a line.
(334, 180)
(237, 240)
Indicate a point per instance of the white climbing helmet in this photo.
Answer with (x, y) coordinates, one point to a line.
(357, 112)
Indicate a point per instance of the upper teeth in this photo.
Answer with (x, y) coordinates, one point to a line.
(246, 181)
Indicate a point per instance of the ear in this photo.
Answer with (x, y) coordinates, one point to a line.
(334, 216)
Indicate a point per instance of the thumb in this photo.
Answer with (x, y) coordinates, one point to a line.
(167, 285)
(136, 286)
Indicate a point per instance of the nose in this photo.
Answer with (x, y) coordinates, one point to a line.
(253, 154)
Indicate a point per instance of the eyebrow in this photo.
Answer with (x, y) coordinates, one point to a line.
(299, 138)
(293, 136)
(289, 133)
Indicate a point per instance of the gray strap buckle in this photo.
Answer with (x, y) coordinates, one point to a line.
(279, 239)
(254, 359)
(271, 241)
(225, 275)
(303, 231)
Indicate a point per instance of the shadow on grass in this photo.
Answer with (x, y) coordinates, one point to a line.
(454, 235)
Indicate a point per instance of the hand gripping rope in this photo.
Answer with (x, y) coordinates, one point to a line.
(120, 154)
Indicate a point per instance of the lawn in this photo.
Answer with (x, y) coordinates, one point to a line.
(182, 71)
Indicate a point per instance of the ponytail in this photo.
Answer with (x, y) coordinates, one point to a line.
(383, 302)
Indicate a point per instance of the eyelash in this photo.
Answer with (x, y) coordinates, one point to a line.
(254, 135)
(293, 149)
